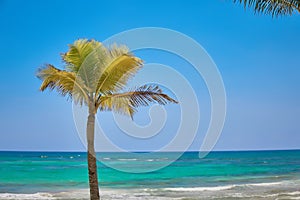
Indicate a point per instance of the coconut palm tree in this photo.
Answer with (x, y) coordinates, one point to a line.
(96, 76)
(273, 7)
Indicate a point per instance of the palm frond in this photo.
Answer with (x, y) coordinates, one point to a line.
(127, 102)
(65, 82)
(272, 7)
(78, 52)
(93, 66)
(121, 65)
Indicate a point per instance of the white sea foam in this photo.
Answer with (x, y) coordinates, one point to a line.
(193, 189)
(280, 195)
(265, 184)
(127, 159)
(38, 195)
(155, 194)
(42, 156)
(227, 187)
(264, 191)
(292, 198)
(294, 193)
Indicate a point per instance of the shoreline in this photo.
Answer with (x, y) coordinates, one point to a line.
(253, 191)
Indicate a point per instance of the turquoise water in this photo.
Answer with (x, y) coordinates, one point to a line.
(224, 175)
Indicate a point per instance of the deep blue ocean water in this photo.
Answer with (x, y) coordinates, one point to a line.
(220, 175)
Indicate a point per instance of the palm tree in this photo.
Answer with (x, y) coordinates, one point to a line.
(95, 76)
(273, 7)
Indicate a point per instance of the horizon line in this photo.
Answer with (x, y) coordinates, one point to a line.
(189, 151)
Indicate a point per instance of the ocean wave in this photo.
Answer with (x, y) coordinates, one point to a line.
(200, 189)
(134, 159)
(294, 193)
(127, 159)
(264, 184)
(227, 187)
(38, 195)
(275, 196)
(159, 194)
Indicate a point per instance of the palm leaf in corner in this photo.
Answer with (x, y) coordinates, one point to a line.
(272, 7)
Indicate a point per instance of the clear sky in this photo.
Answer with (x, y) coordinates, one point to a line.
(258, 58)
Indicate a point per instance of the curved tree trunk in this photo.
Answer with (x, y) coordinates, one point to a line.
(91, 156)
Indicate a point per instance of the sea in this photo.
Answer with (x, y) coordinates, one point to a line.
(255, 175)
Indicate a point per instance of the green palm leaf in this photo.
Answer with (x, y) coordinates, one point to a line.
(95, 75)
(78, 52)
(93, 66)
(65, 82)
(121, 66)
(273, 7)
(127, 102)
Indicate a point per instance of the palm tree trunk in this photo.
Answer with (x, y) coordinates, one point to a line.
(92, 164)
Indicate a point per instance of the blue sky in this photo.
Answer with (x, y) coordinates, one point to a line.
(258, 58)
